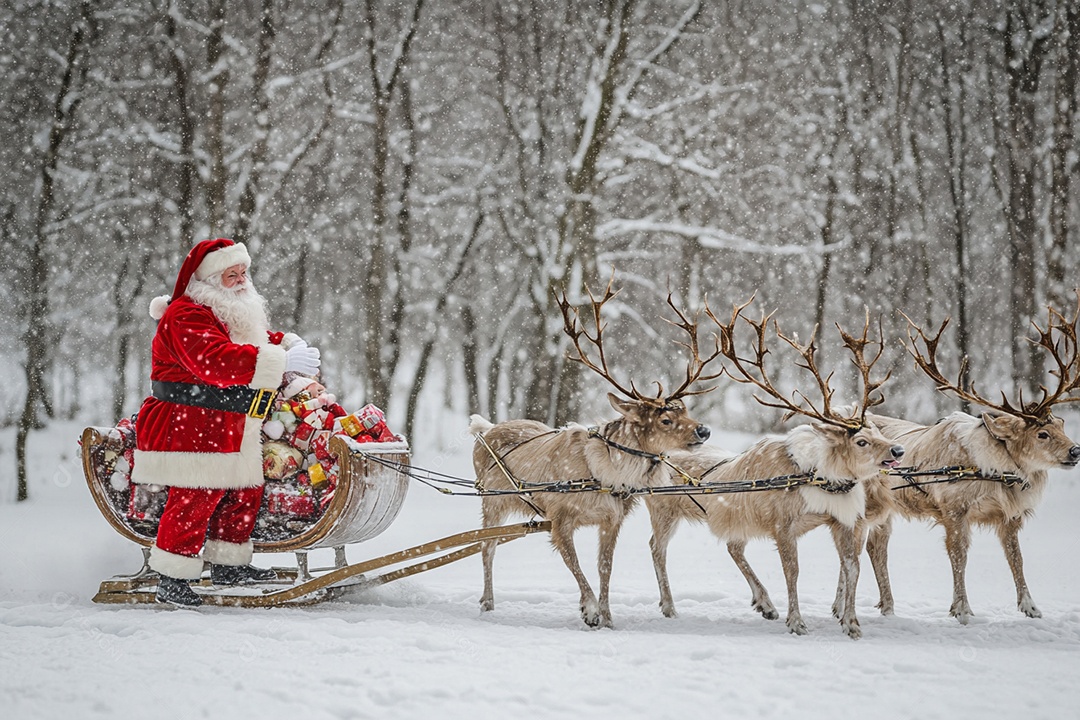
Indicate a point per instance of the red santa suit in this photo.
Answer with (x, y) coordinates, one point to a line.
(211, 459)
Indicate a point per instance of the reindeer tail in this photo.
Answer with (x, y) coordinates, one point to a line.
(478, 425)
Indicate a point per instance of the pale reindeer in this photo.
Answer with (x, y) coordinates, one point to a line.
(1006, 452)
(839, 452)
(621, 454)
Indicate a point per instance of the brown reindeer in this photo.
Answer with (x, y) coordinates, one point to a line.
(621, 454)
(1008, 449)
(839, 452)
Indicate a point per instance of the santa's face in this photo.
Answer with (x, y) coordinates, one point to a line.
(235, 276)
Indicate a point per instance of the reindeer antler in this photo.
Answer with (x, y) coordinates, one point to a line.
(1067, 371)
(575, 330)
(696, 365)
(1065, 358)
(857, 346)
(753, 371)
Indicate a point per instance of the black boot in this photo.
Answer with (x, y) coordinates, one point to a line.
(239, 574)
(176, 592)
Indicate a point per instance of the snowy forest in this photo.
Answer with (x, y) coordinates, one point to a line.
(416, 179)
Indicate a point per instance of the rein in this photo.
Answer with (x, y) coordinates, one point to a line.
(436, 480)
(594, 432)
(951, 474)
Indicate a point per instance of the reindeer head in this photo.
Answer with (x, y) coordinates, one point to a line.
(839, 442)
(656, 424)
(1033, 436)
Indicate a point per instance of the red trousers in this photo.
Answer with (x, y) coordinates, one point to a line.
(194, 515)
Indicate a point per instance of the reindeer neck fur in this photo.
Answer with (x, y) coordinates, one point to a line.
(810, 452)
(962, 439)
(618, 469)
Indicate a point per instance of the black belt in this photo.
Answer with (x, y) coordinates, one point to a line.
(252, 402)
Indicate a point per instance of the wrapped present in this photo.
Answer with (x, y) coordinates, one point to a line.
(281, 460)
(288, 500)
(320, 446)
(361, 421)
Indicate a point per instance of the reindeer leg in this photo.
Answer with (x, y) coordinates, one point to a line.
(759, 599)
(787, 545)
(877, 547)
(562, 537)
(609, 533)
(848, 546)
(492, 517)
(664, 525)
(957, 542)
(841, 580)
(1009, 534)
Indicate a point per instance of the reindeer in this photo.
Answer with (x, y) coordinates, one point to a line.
(1008, 450)
(621, 454)
(839, 452)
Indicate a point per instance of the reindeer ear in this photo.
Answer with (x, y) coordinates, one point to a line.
(1001, 425)
(626, 408)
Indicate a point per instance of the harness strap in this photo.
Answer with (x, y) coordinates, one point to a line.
(951, 474)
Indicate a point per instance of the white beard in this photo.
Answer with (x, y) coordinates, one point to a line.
(241, 308)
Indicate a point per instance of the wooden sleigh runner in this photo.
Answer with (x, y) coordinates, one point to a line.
(370, 490)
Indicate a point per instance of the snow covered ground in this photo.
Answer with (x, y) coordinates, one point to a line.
(420, 648)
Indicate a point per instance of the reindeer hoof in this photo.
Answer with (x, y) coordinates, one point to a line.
(1028, 608)
(885, 608)
(962, 612)
(668, 610)
(767, 611)
(590, 613)
(797, 627)
(853, 630)
(487, 605)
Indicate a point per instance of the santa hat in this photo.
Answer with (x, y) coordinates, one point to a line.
(205, 259)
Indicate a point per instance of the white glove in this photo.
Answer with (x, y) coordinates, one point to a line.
(291, 340)
(302, 359)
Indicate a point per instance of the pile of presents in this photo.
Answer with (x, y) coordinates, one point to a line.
(301, 474)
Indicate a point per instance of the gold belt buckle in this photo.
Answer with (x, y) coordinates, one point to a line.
(261, 403)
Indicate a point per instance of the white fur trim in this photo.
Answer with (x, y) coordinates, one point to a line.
(176, 566)
(220, 552)
(478, 425)
(205, 470)
(158, 306)
(269, 367)
(221, 259)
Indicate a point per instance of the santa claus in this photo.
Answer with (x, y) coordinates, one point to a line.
(215, 366)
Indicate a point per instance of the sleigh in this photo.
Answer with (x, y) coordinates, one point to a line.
(367, 496)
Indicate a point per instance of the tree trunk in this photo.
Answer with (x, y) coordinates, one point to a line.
(1067, 68)
(260, 105)
(185, 202)
(436, 316)
(217, 82)
(35, 339)
(381, 326)
(1023, 61)
(955, 143)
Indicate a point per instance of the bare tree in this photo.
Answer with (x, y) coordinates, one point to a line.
(1024, 48)
(36, 336)
(1067, 69)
